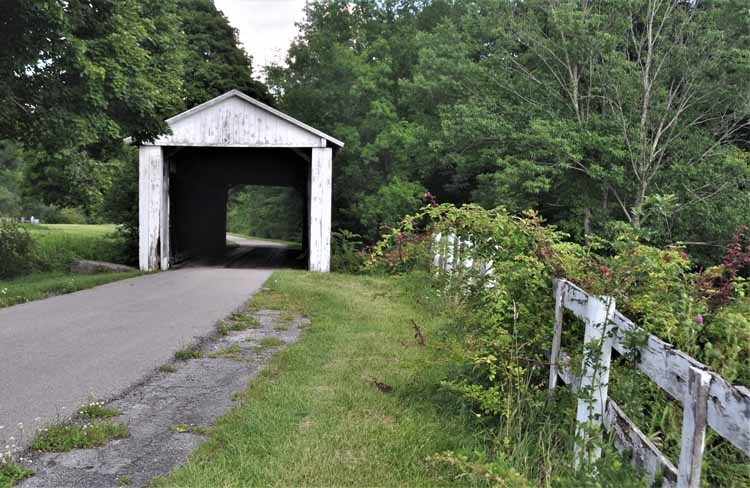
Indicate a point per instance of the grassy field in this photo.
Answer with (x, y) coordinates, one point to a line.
(356, 402)
(55, 246)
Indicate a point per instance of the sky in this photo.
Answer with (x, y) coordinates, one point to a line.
(266, 27)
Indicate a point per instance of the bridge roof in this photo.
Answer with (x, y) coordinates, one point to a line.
(238, 120)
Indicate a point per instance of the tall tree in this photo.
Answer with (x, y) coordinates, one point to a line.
(215, 61)
(78, 77)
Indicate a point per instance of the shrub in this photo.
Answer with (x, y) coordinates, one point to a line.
(72, 215)
(16, 250)
(346, 252)
(502, 328)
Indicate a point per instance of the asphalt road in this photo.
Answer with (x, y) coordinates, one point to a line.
(57, 353)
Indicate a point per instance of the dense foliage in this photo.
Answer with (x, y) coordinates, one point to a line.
(78, 77)
(269, 212)
(503, 332)
(589, 112)
(16, 250)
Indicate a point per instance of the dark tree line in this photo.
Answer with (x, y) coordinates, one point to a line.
(77, 77)
(596, 114)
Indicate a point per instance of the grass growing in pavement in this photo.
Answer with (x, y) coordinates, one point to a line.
(97, 410)
(236, 322)
(190, 428)
(167, 368)
(230, 352)
(41, 285)
(11, 473)
(67, 436)
(355, 402)
(269, 342)
(188, 352)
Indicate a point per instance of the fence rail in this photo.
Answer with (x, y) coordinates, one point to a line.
(707, 398)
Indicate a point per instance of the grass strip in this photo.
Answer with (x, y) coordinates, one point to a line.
(48, 284)
(355, 402)
(67, 436)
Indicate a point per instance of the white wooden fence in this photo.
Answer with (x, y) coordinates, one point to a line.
(706, 397)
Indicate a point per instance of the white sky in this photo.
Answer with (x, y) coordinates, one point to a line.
(266, 27)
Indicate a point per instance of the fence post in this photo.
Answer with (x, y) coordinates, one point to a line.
(592, 400)
(468, 262)
(450, 252)
(436, 241)
(695, 409)
(554, 358)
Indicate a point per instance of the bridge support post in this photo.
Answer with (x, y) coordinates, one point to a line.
(319, 208)
(153, 209)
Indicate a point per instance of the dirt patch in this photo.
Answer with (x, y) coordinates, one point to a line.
(195, 394)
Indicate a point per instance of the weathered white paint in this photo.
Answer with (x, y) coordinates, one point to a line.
(233, 120)
(164, 230)
(237, 120)
(554, 358)
(437, 254)
(708, 399)
(150, 205)
(595, 374)
(645, 455)
(728, 411)
(693, 429)
(320, 209)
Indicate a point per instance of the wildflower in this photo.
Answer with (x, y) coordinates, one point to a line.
(699, 319)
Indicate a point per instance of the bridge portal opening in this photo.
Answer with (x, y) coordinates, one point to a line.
(225, 201)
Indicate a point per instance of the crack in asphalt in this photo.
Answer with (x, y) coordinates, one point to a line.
(196, 394)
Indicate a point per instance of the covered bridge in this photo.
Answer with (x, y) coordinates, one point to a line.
(233, 139)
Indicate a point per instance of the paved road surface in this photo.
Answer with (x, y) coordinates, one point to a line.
(55, 353)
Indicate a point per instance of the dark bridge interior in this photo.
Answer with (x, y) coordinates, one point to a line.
(199, 181)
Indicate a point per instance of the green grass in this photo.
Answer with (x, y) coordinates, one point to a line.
(291, 244)
(188, 352)
(190, 428)
(314, 416)
(230, 352)
(67, 436)
(236, 322)
(97, 411)
(167, 368)
(11, 473)
(41, 285)
(269, 342)
(56, 245)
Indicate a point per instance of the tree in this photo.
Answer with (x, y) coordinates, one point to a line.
(215, 63)
(78, 77)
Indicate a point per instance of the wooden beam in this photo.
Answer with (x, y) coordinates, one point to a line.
(320, 185)
(693, 429)
(592, 400)
(150, 204)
